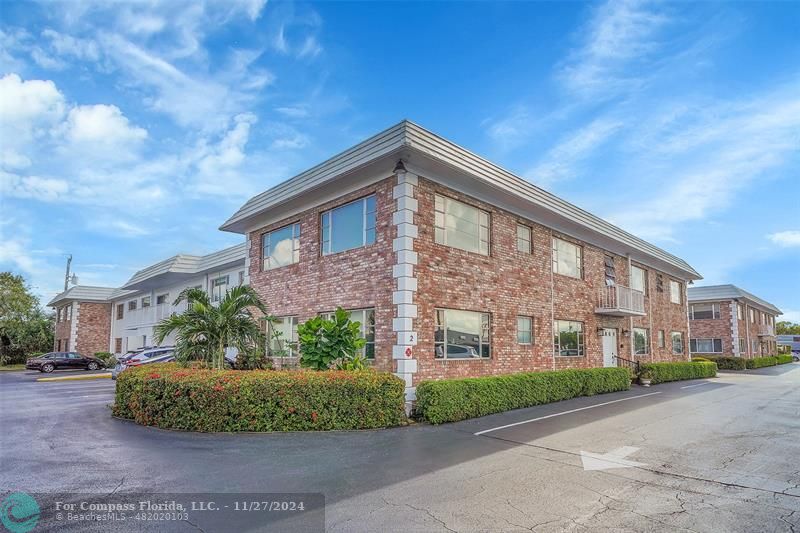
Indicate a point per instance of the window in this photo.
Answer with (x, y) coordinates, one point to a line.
(282, 337)
(349, 226)
(524, 330)
(162, 299)
(739, 312)
(742, 345)
(754, 344)
(145, 301)
(661, 341)
(677, 342)
(58, 345)
(568, 338)
(66, 344)
(279, 248)
(461, 334)
(460, 225)
(705, 345)
(566, 258)
(132, 305)
(639, 279)
(69, 312)
(641, 341)
(120, 311)
(241, 278)
(610, 269)
(752, 316)
(704, 311)
(524, 241)
(118, 345)
(674, 291)
(659, 283)
(365, 317)
(219, 286)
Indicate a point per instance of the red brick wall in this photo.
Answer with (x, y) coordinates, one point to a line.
(94, 328)
(62, 332)
(717, 328)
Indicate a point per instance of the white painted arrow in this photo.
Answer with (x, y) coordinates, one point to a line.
(612, 459)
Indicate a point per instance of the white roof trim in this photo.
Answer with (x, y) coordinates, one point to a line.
(190, 264)
(713, 293)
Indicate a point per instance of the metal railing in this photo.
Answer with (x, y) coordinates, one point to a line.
(620, 298)
(627, 363)
(765, 330)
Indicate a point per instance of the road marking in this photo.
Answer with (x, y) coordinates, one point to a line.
(564, 413)
(697, 385)
(77, 378)
(612, 459)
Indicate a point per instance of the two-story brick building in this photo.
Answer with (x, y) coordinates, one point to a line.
(456, 267)
(727, 320)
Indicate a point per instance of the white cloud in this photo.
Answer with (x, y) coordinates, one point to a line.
(70, 46)
(294, 111)
(47, 189)
(786, 239)
(102, 124)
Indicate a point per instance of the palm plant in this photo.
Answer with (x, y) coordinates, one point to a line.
(205, 330)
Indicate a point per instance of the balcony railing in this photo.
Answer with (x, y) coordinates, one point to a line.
(153, 314)
(618, 300)
(765, 330)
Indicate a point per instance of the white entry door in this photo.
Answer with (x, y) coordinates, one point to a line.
(609, 346)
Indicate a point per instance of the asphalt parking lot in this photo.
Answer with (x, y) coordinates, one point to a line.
(706, 455)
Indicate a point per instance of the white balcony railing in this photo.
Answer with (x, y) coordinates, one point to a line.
(765, 330)
(618, 300)
(147, 316)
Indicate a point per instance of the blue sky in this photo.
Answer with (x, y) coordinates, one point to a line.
(129, 132)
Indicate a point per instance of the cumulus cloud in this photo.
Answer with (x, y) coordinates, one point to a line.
(785, 239)
(103, 125)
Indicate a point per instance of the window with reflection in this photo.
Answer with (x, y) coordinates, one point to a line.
(349, 226)
(461, 226)
(462, 335)
(280, 247)
(568, 338)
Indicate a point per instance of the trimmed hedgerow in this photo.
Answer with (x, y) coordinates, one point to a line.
(724, 362)
(170, 396)
(760, 362)
(663, 372)
(783, 359)
(451, 400)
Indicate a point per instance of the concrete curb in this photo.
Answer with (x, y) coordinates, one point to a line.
(76, 378)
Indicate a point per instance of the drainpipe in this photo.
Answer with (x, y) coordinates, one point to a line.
(630, 319)
(552, 304)
(747, 328)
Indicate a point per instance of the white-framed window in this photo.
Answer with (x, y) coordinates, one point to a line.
(241, 278)
(661, 340)
(145, 301)
(524, 239)
(162, 299)
(524, 330)
(120, 311)
(366, 319)
(641, 341)
(754, 343)
(568, 338)
(704, 311)
(639, 279)
(69, 311)
(282, 337)
(739, 312)
(349, 226)
(462, 334)
(677, 342)
(280, 247)
(567, 258)
(675, 292)
(752, 316)
(132, 305)
(460, 225)
(742, 345)
(705, 345)
(219, 287)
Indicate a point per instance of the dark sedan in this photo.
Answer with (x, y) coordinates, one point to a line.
(63, 360)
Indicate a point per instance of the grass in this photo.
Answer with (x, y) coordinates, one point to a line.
(11, 368)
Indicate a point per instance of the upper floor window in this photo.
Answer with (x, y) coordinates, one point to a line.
(460, 225)
(641, 341)
(120, 311)
(219, 286)
(705, 345)
(145, 301)
(610, 269)
(568, 338)
(704, 311)
(162, 299)
(349, 226)
(675, 291)
(752, 316)
(132, 305)
(739, 312)
(280, 247)
(241, 278)
(639, 279)
(524, 239)
(461, 334)
(567, 258)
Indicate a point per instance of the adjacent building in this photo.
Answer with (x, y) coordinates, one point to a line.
(456, 267)
(727, 320)
(100, 319)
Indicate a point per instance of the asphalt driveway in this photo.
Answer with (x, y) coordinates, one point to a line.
(706, 455)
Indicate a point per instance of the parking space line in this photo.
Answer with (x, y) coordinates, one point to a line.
(564, 413)
(697, 385)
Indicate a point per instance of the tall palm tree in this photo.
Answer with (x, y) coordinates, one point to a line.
(205, 330)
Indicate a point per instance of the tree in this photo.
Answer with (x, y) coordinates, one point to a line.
(787, 328)
(324, 343)
(22, 322)
(205, 330)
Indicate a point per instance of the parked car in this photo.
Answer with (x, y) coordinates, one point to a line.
(63, 360)
(138, 357)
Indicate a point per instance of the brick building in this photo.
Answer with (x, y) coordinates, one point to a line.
(83, 319)
(456, 267)
(727, 320)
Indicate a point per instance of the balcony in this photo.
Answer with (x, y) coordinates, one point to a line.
(618, 300)
(765, 330)
(148, 316)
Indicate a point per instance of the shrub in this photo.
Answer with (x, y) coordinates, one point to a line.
(724, 362)
(170, 396)
(323, 342)
(107, 358)
(12, 354)
(451, 400)
(760, 362)
(663, 372)
(783, 359)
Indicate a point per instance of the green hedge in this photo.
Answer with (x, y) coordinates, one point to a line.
(451, 400)
(170, 396)
(662, 372)
(724, 362)
(760, 362)
(783, 359)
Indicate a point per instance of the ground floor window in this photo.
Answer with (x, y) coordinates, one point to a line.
(641, 341)
(282, 337)
(524, 330)
(118, 345)
(677, 342)
(365, 317)
(754, 345)
(661, 341)
(461, 334)
(705, 345)
(742, 345)
(568, 338)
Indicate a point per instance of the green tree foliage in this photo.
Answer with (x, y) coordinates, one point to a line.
(22, 322)
(787, 328)
(204, 330)
(325, 343)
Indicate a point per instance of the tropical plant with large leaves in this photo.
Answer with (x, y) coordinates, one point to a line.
(205, 330)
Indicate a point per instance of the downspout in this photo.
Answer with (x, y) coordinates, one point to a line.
(747, 329)
(686, 312)
(552, 304)
(630, 318)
